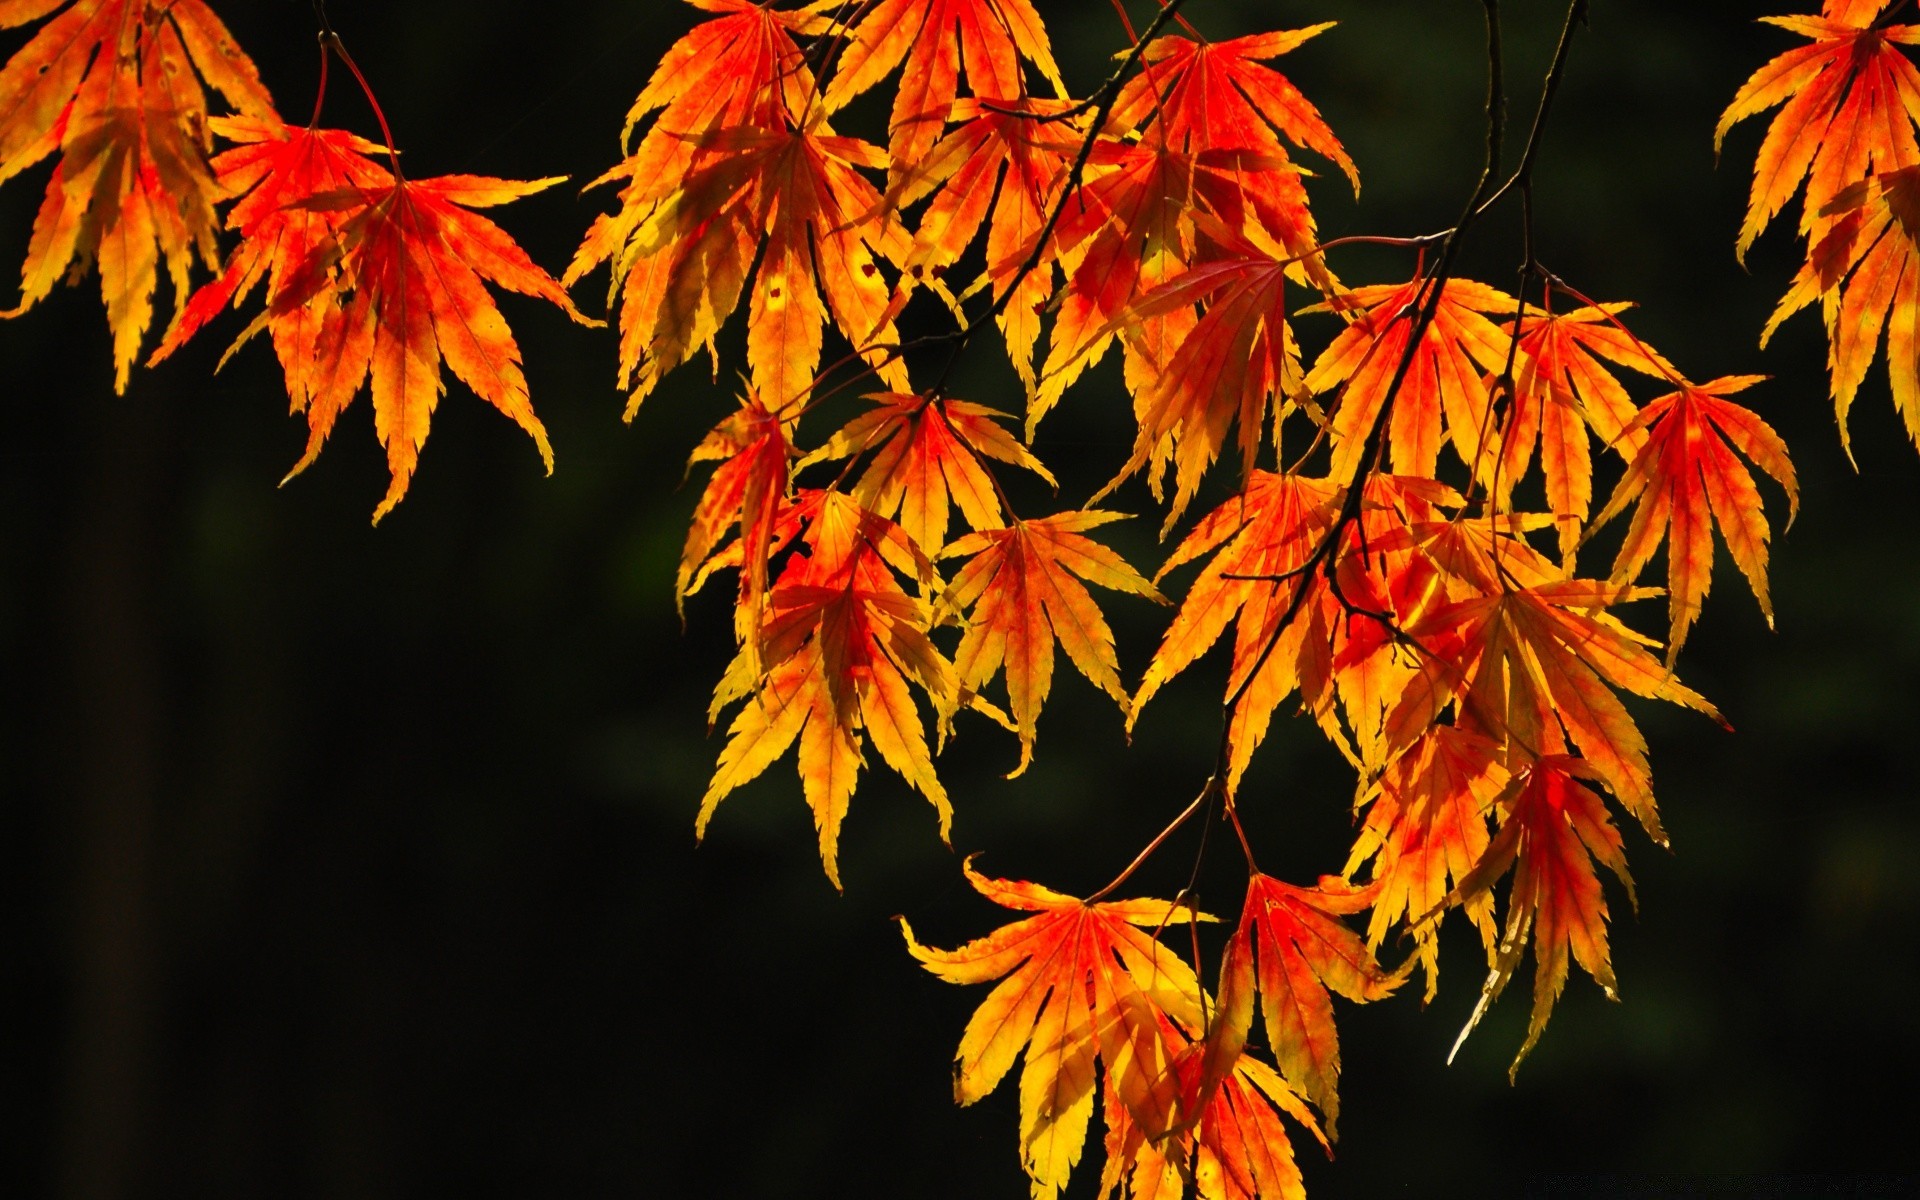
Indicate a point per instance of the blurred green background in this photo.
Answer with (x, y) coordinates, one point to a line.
(344, 862)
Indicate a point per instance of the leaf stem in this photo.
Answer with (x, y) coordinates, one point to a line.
(330, 40)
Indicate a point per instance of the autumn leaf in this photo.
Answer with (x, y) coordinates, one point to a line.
(1534, 669)
(1848, 106)
(1212, 126)
(1080, 984)
(1122, 234)
(1235, 118)
(1236, 1149)
(1686, 479)
(1554, 828)
(1261, 542)
(1292, 949)
(682, 248)
(1024, 592)
(1445, 386)
(118, 87)
(1425, 830)
(746, 490)
(390, 278)
(936, 39)
(927, 451)
(1012, 162)
(1563, 388)
(272, 170)
(839, 646)
(1237, 359)
(741, 68)
(1866, 272)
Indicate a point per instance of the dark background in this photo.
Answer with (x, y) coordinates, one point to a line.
(344, 862)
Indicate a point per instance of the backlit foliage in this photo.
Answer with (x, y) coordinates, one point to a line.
(1418, 464)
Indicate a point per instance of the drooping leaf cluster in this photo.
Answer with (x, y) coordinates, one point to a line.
(1843, 140)
(1400, 562)
(1414, 485)
(368, 275)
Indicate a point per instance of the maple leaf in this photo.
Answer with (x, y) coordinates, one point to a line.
(1292, 948)
(1425, 830)
(1848, 100)
(1236, 1149)
(936, 38)
(116, 86)
(1261, 542)
(838, 648)
(1867, 270)
(1218, 96)
(926, 451)
(390, 277)
(273, 169)
(682, 246)
(1079, 983)
(1444, 385)
(1563, 388)
(1210, 151)
(1327, 636)
(1234, 118)
(746, 490)
(1022, 589)
(1686, 479)
(742, 69)
(1009, 162)
(1554, 828)
(1238, 357)
(739, 69)
(1121, 234)
(1534, 669)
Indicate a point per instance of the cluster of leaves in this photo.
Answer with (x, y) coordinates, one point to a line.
(1848, 105)
(368, 273)
(1399, 563)
(1382, 575)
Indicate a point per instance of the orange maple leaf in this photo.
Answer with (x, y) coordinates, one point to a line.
(1445, 385)
(1562, 388)
(1238, 357)
(1237, 1149)
(273, 169)
(1079, 983)
(1426, 828)
(1292, 948)
(1234, 118)
(1122, 233)
(1218, 96)
(683, 245)
(1261, 542)
(1849, 103)
(1534, 668)
(838, 647)
(1016, 164)
(738, 69)
(390, 278)
(936, 38)
(116, 87)
(926, 451)
(742, 69)
(1686, 478)
(746, 490)
(1022, 589)
(1207, 174)
(1553, 829)
(1866, 269)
